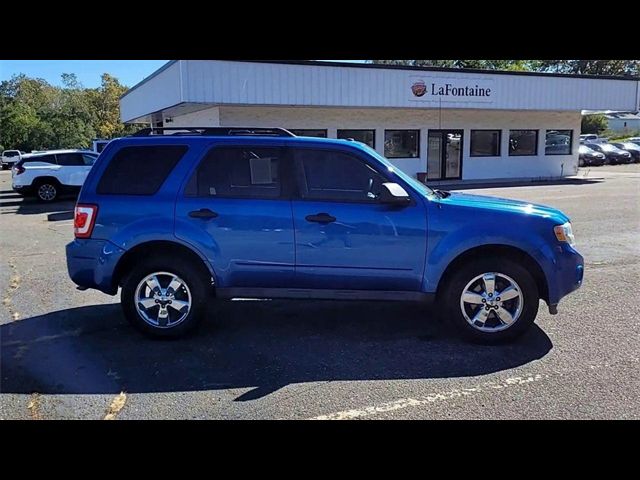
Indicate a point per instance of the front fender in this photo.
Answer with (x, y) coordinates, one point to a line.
(450, 237)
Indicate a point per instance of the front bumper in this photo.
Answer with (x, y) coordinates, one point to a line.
(91, 264)
(567, 276)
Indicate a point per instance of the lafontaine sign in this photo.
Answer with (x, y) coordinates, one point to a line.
(450, 89)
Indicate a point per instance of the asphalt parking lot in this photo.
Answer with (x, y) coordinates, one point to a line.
(70, 354)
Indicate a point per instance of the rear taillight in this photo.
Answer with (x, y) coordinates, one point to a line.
(84, 219)
(19, 169)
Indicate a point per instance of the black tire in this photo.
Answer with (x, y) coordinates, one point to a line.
(450, 297)
(46, 190)
(5, 166)
(197, 283)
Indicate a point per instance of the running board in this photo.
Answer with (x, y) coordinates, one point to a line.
(324, 294)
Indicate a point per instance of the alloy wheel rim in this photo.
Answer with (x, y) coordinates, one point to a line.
(163, 300)
(491, 302)
(47, 192)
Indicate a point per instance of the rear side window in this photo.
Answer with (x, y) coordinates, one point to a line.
(139, 170)
(39, 159)
(69, 159)
(237, 172)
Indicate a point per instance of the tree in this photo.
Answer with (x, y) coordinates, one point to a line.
(594, 123)
(477, 64)
(592, 67)
(36, 115)
(585, 67)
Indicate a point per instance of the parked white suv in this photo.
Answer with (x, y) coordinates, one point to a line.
(9, 158)
(49, 174)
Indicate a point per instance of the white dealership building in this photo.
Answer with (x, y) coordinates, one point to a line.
(433, 123)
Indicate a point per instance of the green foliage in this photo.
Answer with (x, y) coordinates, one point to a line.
(35, 115)
(586, 67)
(517, 65)
(594, 124)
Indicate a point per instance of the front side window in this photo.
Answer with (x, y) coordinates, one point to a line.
(485, 143)
(308, 132)
(139, 170)
(237, 172)
(401, 143)
(558, 142)
(523, 142)
(368, 137)
(336, 176)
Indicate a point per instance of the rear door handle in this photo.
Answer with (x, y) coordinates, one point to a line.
(320, 218)
(203, 213)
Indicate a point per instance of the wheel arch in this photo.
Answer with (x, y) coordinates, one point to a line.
(514, 253)
(173, 250)
(45, 178)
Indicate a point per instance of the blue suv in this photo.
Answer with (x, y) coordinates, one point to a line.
(178, 219)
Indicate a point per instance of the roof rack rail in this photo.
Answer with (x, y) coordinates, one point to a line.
(216, 131)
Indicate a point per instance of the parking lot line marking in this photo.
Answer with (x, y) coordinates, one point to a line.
(34, 407)
(117, 404)
(427, 399)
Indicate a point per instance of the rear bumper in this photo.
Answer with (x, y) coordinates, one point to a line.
(91, 264)
(23, 189)
(567, 276)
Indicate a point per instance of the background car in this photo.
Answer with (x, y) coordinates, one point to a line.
(613, 154)
(10, 158)
(630, 147)
(588, 137)
(589, 157)
(635, 140)
(47, 175)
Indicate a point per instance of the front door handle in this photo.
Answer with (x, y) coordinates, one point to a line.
(320, 218)
(203, 213)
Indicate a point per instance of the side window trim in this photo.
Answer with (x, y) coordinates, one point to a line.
(283, 176)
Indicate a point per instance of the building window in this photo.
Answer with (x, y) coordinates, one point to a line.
(402, 143)
(308, 132)
(367, 137)
(523, 142)
(558, 142)
(485, 143)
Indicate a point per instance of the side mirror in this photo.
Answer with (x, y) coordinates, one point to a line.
(394, 194)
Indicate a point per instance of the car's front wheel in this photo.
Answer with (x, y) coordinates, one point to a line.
(164, 298)
(491, 300)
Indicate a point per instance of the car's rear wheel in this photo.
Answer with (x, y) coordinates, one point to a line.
(47, 190)
(164, 298)
(491, 300)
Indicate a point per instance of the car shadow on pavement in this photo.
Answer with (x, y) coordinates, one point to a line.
(257, 345)
(30, 206)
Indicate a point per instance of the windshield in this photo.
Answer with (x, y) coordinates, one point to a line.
(584, 149)
(11, 153)
(418, 186)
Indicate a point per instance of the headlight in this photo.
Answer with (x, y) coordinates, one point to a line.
(564, 233)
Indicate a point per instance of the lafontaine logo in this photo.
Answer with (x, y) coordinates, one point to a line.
(419, 88)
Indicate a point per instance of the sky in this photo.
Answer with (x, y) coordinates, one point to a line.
(128, 72)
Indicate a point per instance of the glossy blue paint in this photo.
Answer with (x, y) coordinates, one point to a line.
(376, 247)
(270, 244)
(250, 243)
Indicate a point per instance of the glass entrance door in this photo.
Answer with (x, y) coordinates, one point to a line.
(444, 155)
